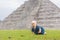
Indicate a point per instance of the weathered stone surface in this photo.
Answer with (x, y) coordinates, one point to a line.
(44, 12)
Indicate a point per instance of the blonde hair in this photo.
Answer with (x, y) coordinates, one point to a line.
(34, 22)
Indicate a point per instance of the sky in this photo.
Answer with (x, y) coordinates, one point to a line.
(8, 6)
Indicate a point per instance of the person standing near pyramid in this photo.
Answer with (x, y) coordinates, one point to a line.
(37, 29)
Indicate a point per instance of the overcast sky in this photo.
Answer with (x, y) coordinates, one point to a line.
(8, 6)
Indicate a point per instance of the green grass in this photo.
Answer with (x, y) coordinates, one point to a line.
(27, 35)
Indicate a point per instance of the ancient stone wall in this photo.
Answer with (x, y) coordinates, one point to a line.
(44, 12)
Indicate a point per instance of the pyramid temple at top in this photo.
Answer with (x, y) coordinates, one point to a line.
(44, 12)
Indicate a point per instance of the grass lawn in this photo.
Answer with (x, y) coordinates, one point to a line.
(27, 35)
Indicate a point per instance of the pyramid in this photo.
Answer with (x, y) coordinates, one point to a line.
(44, 12)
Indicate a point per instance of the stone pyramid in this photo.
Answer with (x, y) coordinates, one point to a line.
(44, 12)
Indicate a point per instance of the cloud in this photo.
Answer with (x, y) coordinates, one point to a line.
(56, 2)
(8, 6)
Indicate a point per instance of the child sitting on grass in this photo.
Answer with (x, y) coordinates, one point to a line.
(37, 29)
